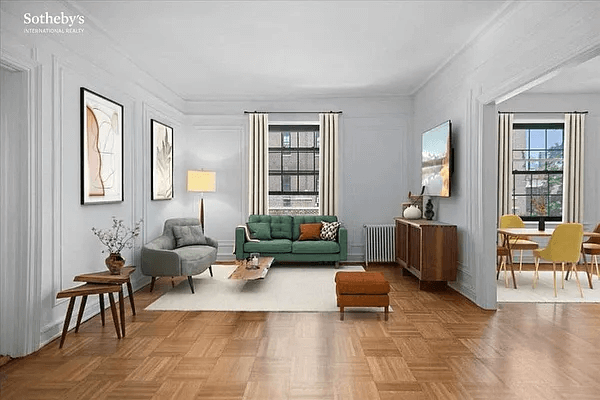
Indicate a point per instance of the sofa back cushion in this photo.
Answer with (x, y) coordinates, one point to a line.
(309, 219)
(281, 225)
(260, 230)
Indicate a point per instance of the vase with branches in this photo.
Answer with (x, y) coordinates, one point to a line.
(539, 204)
(117, 238)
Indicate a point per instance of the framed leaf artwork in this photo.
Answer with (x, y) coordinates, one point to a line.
(101, 149)
(162, 161)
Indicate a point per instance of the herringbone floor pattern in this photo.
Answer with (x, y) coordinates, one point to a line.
(434, 346)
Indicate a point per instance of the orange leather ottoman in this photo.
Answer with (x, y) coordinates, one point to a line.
(362, 289)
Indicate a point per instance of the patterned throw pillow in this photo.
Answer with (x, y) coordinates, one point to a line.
(329, 230)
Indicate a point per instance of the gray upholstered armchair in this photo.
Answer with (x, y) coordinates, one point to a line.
(195, 253)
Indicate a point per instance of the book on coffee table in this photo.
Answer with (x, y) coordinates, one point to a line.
(246, 271)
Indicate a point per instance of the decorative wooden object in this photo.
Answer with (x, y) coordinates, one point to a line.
(428, 250)
(250, 274)
(85, 291)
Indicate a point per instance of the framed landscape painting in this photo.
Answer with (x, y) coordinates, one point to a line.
(101, 149)
(162, 161)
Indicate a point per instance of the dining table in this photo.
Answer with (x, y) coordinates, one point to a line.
(523, 233)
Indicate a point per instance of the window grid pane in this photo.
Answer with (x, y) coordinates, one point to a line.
(293, 169)
(537, 171)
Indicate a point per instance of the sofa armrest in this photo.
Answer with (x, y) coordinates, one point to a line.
(240, 239)
(343, 242)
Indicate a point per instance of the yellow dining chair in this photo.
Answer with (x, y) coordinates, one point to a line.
(514, 221)
(564, 247)
(592, 247)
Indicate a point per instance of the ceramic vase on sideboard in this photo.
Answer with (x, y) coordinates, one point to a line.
(412, 212)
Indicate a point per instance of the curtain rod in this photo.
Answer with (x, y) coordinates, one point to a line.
(542, 112)
(293, 112)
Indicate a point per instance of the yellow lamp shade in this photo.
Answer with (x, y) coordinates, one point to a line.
(201, 181)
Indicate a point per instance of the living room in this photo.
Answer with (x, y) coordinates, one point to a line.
(498, 51)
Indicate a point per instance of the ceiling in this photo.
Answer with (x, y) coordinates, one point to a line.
(206, 50)
(581, 79)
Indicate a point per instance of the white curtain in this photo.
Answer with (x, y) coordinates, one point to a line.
(258, 161)
(505, 187)
(573, 168)
(328, 164)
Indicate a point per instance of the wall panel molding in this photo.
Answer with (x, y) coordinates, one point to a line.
(57, 176)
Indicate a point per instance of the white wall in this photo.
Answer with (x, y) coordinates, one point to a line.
(66, 63)
(373, 154)
(520, 46)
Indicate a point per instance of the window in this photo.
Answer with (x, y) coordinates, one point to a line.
(537, 172)
(293, 169)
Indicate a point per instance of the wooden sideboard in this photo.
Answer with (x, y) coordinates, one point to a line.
(428, 250)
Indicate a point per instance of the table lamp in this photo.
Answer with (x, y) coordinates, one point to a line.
(201, 181)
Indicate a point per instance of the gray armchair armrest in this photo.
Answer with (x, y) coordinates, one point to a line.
(161, 243)
(158, 259)
(212, 242)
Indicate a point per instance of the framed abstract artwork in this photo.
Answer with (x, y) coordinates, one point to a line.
(101, 149)
(162, 161)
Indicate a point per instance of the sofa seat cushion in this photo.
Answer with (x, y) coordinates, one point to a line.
(315, 247)
(269, 246)
(195, 259)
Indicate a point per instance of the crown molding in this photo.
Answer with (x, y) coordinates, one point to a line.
(496, 19)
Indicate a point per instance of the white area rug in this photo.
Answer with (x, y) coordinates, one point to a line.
(285, 288)
(544, 292)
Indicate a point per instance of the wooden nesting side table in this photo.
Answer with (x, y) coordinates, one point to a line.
(84, 291)
(106, 278)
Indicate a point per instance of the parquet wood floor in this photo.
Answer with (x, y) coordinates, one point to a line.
(434, 346)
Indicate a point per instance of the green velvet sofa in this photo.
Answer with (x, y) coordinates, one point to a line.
(285, 246)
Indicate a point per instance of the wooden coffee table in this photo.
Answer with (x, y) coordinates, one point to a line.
(244, 273)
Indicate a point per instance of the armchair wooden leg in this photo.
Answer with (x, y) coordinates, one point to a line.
(574, 268)
(562, 275)
(191, 282)
(589, 271)
(152, 283)
(498, 266)
(210, 270)
(536, 275)
(172, 282)
(521, 262)
(554, 276)
(505, 271)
